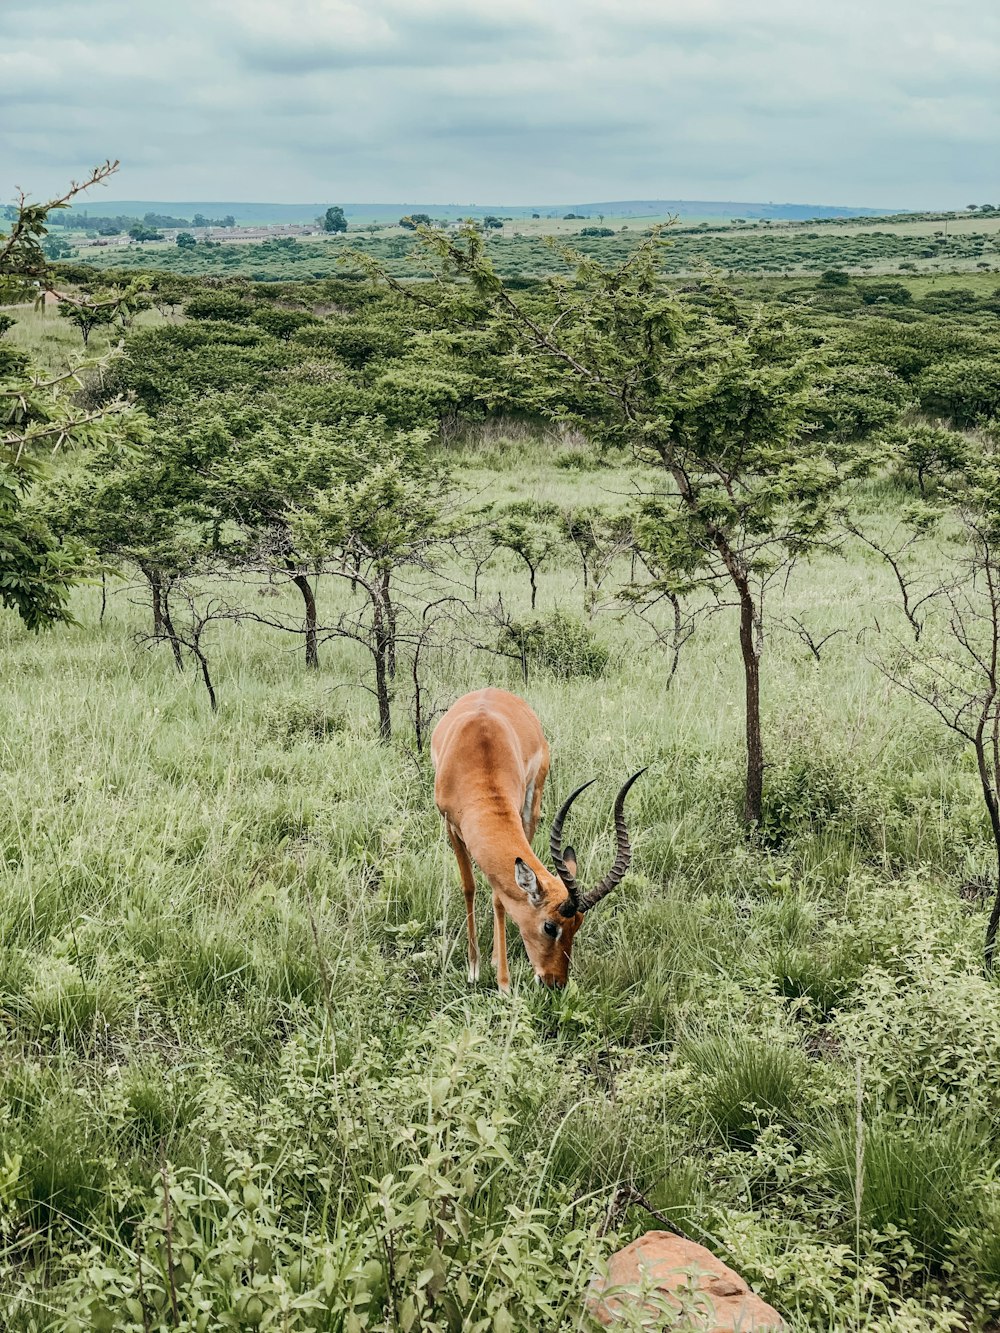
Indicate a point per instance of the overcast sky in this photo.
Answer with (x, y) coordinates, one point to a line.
(891, 103)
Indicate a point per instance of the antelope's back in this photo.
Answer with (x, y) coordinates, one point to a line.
(489, 744)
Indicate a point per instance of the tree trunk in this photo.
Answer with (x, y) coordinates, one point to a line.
(380, 655)
(989, 796)
(162, 624)
(390, 627)
(104, 596)
(156, 589)
(753, 801)
(309, 598)
(168, 625)
(418, 698)
(203, 663)
(382, 696)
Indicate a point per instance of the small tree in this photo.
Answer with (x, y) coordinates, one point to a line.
(530, 531)
(185, 241)
(600, 538)
(107, 308)
(264, 475)
(334, 219)
(141, 507)
(369, 530)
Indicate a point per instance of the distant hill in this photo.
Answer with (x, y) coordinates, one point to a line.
(260, 214)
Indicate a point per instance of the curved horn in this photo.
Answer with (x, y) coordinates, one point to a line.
(555, 845)
(614, 876)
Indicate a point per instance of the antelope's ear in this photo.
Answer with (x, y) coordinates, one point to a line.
(569, 856)
(524, 876)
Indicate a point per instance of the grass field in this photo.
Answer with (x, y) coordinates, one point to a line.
(247, 1084)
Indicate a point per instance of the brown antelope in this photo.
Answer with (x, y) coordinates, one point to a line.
(491, 760)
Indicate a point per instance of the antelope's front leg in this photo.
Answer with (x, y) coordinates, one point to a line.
(500, 945)
(469, 888)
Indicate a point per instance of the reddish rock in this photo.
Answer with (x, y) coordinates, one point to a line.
(677, 1285)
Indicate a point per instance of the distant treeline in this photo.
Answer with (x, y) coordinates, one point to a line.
(120, 222)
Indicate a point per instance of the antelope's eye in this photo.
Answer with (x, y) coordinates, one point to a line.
(551, 929)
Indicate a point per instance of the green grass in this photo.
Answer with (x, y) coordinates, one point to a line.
(232, 968)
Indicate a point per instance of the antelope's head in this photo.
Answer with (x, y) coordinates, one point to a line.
(558, 905)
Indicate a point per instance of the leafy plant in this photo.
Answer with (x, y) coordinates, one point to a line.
(558, 643)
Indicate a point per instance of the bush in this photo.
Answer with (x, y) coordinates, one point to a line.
(219, 305)
(886, 293)
(558, 643)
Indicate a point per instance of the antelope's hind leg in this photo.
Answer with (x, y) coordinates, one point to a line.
(469, 889)
(532, 811)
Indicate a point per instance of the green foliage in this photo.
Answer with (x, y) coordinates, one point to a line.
(860, 400)
(531, 532)
(558, 643)
(928, 453)
(38, 415)
(886, 293)
(334, 220)
(964, 390)
(109, 307)
(220, 304)
(746, 1083)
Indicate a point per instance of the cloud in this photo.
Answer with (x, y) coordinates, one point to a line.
(860, 103)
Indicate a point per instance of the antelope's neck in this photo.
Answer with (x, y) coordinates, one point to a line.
(495, 838)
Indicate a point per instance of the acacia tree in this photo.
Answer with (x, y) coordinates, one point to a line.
(267, 471)
(379, 530)
(39, 415)
(716, 392)
(106, 308)
(600, 538)
(143, 507)
(528, 530)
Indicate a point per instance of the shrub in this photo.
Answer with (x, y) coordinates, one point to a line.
(293, 720)
(886, 293)
(218, 305)
(558, 643)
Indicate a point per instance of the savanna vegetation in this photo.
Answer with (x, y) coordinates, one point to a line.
(743, 534)
(522, 249)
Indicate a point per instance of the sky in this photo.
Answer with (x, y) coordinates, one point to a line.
(875, 103)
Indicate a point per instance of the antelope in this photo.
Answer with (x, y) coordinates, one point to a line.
(491, 760)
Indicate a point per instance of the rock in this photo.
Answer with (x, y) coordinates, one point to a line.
(678, 1285)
